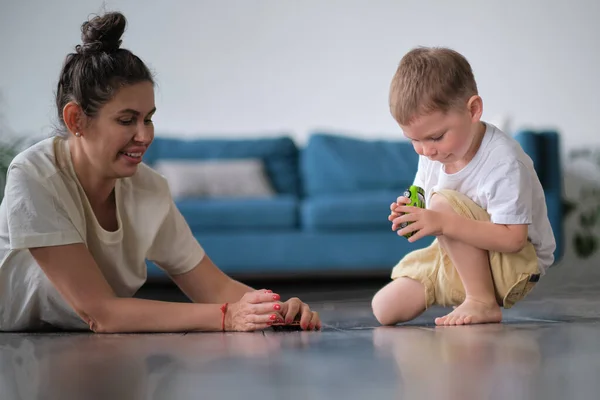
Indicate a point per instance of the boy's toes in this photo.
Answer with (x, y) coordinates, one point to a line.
(453, 318)
(473, 312)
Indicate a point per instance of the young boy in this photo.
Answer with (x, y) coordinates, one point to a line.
(484, 201)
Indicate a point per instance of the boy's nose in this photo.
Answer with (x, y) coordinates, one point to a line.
(429, 151)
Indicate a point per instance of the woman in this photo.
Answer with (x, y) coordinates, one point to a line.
(81, 214)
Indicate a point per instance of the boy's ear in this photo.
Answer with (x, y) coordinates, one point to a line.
(475, 107)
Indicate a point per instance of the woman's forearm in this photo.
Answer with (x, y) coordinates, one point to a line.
(232, 292)
(140, 315)
(75, 274)
(206, 283)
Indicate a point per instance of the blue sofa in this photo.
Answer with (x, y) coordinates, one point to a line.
(330, 211)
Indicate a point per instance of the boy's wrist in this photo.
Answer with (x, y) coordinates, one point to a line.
(448, 222)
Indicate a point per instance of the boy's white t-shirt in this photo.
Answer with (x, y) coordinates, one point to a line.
(44, 205)
(501, 180)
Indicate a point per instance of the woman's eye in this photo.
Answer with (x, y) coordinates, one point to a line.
(437, 139)
(125, 121)
(148, 121)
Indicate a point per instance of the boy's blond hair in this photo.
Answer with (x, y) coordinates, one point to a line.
(430, 79)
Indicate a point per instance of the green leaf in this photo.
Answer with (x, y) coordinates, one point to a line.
(568, 207)
(584, 220)
(585, 245)
(9, 148)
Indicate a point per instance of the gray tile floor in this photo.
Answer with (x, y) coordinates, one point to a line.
(547, 348)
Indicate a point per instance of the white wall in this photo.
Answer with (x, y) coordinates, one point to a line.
(243, 67)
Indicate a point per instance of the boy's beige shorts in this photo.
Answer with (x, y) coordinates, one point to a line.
(514, 274)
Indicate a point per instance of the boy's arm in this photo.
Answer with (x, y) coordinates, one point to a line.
(486, 235)
(507, 188)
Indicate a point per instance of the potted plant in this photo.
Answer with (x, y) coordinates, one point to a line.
(9, 148)
(586, 238)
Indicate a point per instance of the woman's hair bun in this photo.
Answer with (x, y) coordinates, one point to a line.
(102, 33)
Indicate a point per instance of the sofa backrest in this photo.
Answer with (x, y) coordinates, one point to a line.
(333, 163)
(279, 155)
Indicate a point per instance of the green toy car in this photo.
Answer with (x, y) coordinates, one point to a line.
(416, 195)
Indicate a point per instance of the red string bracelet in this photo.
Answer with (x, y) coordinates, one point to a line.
(224, 311)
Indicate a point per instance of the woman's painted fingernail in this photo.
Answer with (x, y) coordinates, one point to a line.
(277, 307)
(269, 291)
(273, 317)
(269, 323)
(275, 297)
(288, 321)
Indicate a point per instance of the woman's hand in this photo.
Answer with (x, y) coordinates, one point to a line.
(256, 310)
(309, 320)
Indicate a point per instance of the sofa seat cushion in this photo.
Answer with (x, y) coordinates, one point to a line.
(294, 254)
(359, 211)
(279, 212)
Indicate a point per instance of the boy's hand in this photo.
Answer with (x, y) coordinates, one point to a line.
(426, 222)
(400, 201)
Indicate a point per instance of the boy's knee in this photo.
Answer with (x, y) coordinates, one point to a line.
(440, 203)
(381, 310)
(387, 312)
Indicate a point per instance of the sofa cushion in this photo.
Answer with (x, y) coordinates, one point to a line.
(279, 155)
(215, 214)
(353, 211)
(336, 164)
(216, 178)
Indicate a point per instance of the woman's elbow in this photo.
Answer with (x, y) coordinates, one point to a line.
(98, 318)
(99, 326)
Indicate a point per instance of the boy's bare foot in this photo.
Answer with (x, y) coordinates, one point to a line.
(472, 312)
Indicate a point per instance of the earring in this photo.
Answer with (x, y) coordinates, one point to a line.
(77, 134)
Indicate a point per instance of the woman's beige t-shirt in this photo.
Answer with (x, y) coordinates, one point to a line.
(44, 205)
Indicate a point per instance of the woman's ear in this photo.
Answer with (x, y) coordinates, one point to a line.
(475, 107)
(73, 117)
